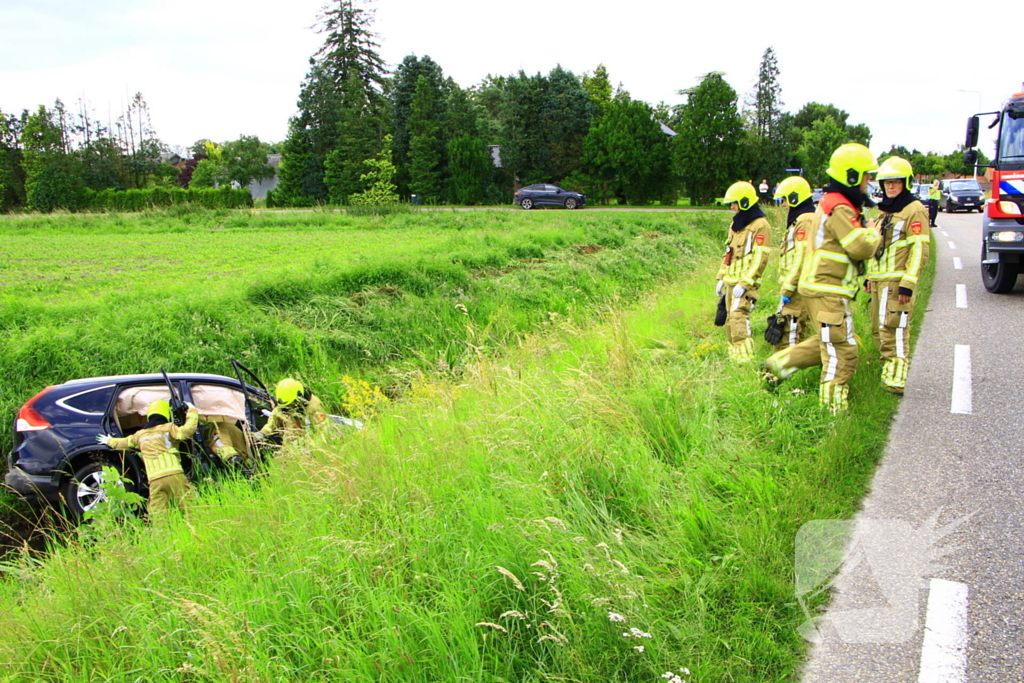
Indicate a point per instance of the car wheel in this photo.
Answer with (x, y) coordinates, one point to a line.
(570, 203)
(999, 278)
(949, 208)
(83, 491)
(527, 204)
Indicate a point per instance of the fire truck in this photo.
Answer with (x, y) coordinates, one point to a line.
(1002, 247)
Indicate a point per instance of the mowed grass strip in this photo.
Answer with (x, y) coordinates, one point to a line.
(605, 502)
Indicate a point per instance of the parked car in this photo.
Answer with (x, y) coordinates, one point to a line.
(548, 195)
(55, 455)
(921, 192)
(875, 191)
(961, 193)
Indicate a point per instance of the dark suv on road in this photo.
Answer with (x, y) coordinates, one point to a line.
(55, 454)
(962, 194)
(548, 195)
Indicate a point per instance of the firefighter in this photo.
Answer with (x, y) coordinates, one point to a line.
(226, 440)
(795, 193)
(894, 270)
(296, 411)
(158, 443)
(832, 263)
(739, 277)
(934, 197)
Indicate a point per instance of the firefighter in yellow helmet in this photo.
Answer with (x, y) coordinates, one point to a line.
(296, 411)
(158, 443)
(895, 269)
(836, 250)
(795, 193)
(739, 277)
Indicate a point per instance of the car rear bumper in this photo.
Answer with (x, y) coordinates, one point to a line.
(30, 486)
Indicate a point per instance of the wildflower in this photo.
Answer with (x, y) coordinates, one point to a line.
(636, 633)
(639, 648)
(613, 616)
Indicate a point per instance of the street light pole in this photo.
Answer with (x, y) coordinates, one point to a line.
(976, 110)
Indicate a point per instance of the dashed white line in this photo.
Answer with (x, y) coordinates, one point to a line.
(944, 651)
(961, 399)
(957, 264)
(944, 233)
(952, 246)
(961, 296)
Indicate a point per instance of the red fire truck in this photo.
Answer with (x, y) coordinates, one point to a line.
(1002, 248)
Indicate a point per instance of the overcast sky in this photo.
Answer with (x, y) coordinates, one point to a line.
(217, 69)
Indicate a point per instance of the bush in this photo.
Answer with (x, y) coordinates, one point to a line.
(160, 197)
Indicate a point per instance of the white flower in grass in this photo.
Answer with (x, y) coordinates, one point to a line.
(639, 648)
(636, 633)
(614, 616)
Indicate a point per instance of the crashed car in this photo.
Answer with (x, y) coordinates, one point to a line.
(55, 456)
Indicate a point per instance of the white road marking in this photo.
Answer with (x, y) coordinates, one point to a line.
(961, 296)
(944, 651)
(957, 264)
(952, 246)
(944, 233)
(961, 401)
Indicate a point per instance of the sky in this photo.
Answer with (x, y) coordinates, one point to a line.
(215, 69)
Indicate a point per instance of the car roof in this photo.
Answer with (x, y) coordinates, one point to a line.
(153, 377)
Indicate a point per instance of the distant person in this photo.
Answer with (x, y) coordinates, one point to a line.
(934, 197)
(158, 444)
(763, 190)
(297, 410)
(794, 193)
(837, 247)
(895, 269)
(739, 277)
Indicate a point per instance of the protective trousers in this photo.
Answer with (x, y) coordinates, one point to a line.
(890, 327)
(795, 323)
(737, 324)
(834, 348)
(165, 490)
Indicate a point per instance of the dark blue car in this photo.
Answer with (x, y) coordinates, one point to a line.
(55, 454)
(548, 195)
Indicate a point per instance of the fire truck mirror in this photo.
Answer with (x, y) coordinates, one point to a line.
(972, 132)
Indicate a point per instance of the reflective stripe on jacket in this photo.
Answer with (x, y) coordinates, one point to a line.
(906, 246)
(792, 251)
(747, 255)
(835, 250)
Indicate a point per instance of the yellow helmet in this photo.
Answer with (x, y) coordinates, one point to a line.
(740, 193)
(159, 407)
(287, 390)
(850, 162)
(896, 168)
(795, 190)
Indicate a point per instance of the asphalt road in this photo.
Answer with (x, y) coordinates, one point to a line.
(933, 586)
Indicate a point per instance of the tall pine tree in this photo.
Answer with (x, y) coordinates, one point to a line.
(708, 143)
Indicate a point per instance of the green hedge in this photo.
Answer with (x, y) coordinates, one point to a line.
(141, 200)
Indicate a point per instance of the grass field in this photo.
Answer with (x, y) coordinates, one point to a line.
(575, 484)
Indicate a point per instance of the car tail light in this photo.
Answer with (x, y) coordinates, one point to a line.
(29, 419)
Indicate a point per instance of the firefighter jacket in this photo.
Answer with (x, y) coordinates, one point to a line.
(836, 249)
(159, 445)
(290, 420)
(746, 254)
(903, 246)
(792, 250)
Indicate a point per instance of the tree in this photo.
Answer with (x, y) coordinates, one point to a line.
(137, 137)
(51, 174)
(627, 153)
(599, 89)
(566, 114)
(245, 160)
(425, 151)
(765, 153)
(379, 179)
(12, 172)
(406, 81)
(824, 137)
(707, 146)
(470, 166)
(359, 138)
(523, 149)
(347, 61)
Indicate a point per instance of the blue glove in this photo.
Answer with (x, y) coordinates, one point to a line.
(785, 300)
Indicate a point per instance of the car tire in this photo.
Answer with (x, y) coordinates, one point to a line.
(82, 491)
(570, 203)
(949, 208)
(527, 204)
(998, 278)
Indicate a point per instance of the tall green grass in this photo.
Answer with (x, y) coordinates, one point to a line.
(511, 523)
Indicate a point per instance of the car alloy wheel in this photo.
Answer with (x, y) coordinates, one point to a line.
(527, 204)
(570, 203)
